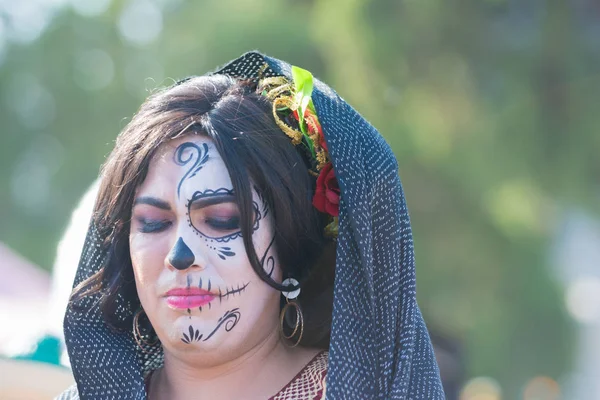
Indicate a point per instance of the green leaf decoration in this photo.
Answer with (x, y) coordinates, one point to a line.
(303, 85)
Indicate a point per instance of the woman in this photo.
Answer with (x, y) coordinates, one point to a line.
(208, 267)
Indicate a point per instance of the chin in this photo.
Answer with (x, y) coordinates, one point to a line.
(199, 331)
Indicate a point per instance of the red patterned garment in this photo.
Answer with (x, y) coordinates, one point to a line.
(309, 384)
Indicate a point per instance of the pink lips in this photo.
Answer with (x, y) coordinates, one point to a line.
(188, 298)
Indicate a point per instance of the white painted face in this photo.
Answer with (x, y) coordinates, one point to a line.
(193, 277)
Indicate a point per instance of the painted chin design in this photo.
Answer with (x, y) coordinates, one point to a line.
(228, 321)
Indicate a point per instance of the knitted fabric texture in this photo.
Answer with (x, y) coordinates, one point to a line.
(380, 347)
(309, 384)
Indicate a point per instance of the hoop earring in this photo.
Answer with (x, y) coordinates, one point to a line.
(299, 325)
(140, 339)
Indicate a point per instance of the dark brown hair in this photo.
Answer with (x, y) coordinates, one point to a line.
(256, 153)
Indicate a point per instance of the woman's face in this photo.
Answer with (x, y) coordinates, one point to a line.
(193, 276)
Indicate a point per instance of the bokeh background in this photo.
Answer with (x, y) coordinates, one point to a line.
(491, 106)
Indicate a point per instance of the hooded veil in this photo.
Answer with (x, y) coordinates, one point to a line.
(380, 347)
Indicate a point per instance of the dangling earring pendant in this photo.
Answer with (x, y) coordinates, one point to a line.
(298, 327)
(293, 294)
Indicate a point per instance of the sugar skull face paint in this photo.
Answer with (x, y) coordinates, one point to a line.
(193, 277)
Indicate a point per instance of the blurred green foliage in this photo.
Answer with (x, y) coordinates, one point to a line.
(490, 106)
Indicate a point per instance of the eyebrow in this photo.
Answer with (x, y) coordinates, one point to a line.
(204, 200)
(152, 201)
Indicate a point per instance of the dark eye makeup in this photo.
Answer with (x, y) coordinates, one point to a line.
(223, 224)
(213, 214)
(152, 225)
(217, 224)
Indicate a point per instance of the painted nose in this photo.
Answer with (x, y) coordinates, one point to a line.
(180, 256)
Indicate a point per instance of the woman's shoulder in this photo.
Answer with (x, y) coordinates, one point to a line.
(70, 394)
(309, 383)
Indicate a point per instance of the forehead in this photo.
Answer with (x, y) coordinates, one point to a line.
(183, 166)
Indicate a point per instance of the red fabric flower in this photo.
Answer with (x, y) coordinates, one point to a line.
(311, 120)
(315, 122)
(327, 192)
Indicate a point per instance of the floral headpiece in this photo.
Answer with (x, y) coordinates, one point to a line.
(293, 106)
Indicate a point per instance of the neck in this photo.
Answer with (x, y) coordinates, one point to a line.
(181, 378)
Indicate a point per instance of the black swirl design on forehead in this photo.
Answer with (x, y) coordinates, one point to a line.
(221, 192)
(197, 157)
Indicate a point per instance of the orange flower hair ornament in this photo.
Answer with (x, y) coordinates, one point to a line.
(292, 105)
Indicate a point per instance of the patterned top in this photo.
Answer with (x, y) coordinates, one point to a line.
(309, 384)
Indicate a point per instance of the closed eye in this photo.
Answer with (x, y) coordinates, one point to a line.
(153, 226)
(224, 224)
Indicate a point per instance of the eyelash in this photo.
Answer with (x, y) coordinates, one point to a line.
(227, 224)
(153, 226)
(156, 226)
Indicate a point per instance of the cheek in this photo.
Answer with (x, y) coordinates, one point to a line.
(147, 259)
